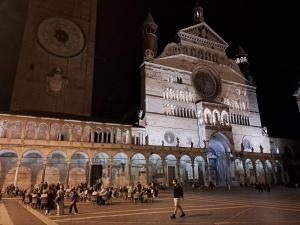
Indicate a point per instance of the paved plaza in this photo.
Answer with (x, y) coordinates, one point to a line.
(238, 206)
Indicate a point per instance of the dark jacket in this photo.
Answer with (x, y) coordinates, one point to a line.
(178, 192)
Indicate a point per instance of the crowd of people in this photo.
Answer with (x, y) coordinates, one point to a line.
(49, 197)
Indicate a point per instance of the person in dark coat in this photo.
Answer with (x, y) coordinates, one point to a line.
(178, 193)
(74, 199)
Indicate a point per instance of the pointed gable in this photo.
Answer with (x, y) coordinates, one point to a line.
(204, 35)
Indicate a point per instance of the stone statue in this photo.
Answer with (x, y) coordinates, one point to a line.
(192, 144)
(147, 139)
(162, 143)
(177, 142)
(242, 147)
(252, 149)
(261, 149)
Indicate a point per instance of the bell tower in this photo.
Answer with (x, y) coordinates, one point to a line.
(149, 38)
(241, 58)
(56, 60)
(198, 14)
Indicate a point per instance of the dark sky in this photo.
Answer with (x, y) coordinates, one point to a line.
(262, 30)
(266, 32)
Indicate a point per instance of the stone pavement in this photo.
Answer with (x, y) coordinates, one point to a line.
(243, 206)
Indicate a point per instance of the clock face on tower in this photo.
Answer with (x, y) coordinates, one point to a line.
(60, 37)
(206, 84)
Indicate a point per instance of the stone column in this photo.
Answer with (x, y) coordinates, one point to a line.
(245, 171)
(87, 172)
(147, 171)
(207, 170)
(17, 172)
(265, 174)
(193, 171)
(163, 164)
(178, 170)
(129, 171)
(68, 173)
(109, 170)
(90, 173)
(255, 173)
(44, 170)
(235, 172)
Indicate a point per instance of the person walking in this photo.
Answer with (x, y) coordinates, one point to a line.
(74, 199)
(178, 193)
(59, 200)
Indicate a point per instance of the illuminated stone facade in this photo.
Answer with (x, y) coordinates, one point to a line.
(199, 122)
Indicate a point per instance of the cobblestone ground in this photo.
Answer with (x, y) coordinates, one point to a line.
(238, 206)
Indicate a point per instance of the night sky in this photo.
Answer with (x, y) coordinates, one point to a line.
(262, 30)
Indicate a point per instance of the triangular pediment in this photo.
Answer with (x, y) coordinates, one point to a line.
(203, 34)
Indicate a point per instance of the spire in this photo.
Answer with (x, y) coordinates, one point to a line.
(198, 13)
(240, 51)
(149, 21)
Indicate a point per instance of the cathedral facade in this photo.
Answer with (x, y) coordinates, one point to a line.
(199, 119)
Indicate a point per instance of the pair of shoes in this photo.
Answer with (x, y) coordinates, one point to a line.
(172, 216)
(182, 215)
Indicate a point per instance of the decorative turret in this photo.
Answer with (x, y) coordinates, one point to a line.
(198, 14)
(241, 58)
(149, 38)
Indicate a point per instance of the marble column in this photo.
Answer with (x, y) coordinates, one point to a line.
(109, 170)
(90, 174)
(68, 173)
(164, 171)
(193, 171)
(245, 171)
(255, 172)
(178, 170)
(147, 172)
(17, 172)
(44, 170)
(129, 172)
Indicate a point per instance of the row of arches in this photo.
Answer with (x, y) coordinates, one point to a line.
(63, 132)
(173, 110)
(198, 53)
(178, 95)
(120, 168)
(238, 105)
(239, 119)
(214, 117)
(252, 171)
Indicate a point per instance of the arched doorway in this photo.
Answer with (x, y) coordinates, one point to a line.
(138, 169)
(8, 161)
(31, 169)
(199, 169)
(269, 172)
(239, 171)
(156, 174)
(186, 169)
(219, 159)
(120, 172)
(78, 168)
(171, 168)
(100, 170)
